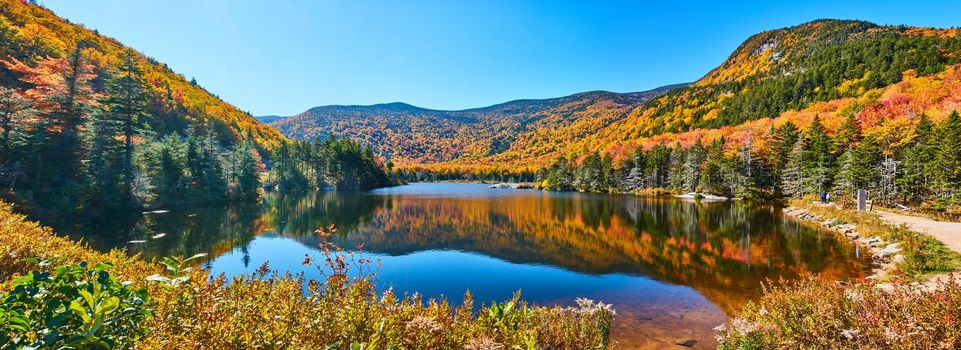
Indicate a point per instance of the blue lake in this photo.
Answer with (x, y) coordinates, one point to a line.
(672, 269)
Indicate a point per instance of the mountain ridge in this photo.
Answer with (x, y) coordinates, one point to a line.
(404, 105)
(772, 72)
(482, 130)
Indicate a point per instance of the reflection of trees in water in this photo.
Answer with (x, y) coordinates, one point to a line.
(219, 229)
(301, 214)
(725, 250)
(215, 230)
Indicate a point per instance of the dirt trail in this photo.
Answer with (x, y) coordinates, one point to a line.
(947, 232)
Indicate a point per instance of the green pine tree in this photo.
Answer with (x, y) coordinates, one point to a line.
(948, 161)
(917, 166)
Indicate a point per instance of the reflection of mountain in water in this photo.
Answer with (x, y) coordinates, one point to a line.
(724, 250)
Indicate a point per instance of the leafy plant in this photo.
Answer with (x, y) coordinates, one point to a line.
(177, 269)
(76, 306)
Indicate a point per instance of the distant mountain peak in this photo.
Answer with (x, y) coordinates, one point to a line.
(769, 73)
(415, 134)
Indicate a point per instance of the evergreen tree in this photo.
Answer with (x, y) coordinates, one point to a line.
(164, 163)
(750, 176)
(859, 170)
(792, 178)
(712, 177)
(782, 143)
(948, 161)
(13, 109)
(103, 183)
(247, 182)
(635, 179)
(844, 187)
(676, 176)
(124, 110)
(658, 165)
(73, 107)
(918, 168)
(128, 102)
(817, 160)
(205, 168)
(734, 177)
(559, 178)
(693, 164)
(850, 133)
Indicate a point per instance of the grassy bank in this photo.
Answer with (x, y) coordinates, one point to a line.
(189, 310)
(820, 314)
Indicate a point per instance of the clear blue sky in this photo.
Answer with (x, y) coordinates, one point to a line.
(283, 57)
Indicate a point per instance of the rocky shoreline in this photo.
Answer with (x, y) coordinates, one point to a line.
(884, 256)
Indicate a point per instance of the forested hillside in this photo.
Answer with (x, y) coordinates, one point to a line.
(412, 135)
(826, 106)
(32, 34)
(788, 69)
(900, 142)
(88, 125)
(770, 74)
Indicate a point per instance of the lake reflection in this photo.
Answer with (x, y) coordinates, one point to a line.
(671, 268)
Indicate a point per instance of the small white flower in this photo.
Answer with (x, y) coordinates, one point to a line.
(423, 323)
(743, 326)
(850, 334)
(483, 343)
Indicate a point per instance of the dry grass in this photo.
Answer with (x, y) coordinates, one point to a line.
(819, 314)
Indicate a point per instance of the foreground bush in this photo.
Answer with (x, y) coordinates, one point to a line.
(272, 311)
(819, 314)
(74, 307)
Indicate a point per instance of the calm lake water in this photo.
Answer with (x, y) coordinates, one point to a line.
(672, 269)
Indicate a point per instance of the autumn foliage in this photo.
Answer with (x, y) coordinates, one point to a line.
(39, 44)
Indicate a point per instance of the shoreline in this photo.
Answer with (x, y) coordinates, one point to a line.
(885, 256)
(895, 246)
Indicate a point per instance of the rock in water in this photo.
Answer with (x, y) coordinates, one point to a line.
(689, 343)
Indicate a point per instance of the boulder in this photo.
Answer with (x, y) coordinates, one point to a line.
(897, 259)
(889, 250)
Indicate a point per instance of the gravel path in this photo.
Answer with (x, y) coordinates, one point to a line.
(947, 232)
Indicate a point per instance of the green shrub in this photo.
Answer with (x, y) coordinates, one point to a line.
(76, 306)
